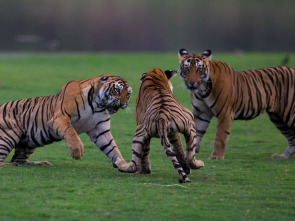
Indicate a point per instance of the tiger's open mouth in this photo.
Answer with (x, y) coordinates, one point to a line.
(113, 109)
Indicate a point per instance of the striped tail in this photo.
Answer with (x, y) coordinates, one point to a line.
(162, 131)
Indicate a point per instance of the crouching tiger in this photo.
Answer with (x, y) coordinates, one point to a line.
(81, 106)
(159, 114)
(217, 90)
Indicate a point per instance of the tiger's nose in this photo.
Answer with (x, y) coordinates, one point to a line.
(192, 84)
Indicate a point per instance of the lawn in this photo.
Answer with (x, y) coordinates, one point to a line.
(247, 185)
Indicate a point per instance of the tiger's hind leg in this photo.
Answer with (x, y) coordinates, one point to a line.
(145, 162)
(288, 132)
(191, 145)
(8, 140)
(175, 140)
(162, 131)
(21, 156)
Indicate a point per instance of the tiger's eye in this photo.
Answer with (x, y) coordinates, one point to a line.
(186, 68)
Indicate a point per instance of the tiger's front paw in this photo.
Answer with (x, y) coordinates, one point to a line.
(77, 151)
(196, 164)
(200, 164)
(280, 156)
(128, 167)
(119, 163)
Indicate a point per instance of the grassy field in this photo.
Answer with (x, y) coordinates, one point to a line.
(247, 185)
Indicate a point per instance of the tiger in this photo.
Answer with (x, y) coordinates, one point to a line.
(159, 114)
(217, 90)
(82, 106)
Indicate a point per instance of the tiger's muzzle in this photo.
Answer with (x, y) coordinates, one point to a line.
(192, 86)
(115, 106)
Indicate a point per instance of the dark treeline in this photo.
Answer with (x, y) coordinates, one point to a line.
(147, 25)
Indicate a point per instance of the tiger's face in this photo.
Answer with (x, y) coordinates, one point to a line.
(115, 93)
(194, 70)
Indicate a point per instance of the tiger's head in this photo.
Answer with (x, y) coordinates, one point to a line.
(114, 93)
(194, 70)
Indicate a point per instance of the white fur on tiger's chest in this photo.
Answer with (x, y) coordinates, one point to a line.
(88, 120)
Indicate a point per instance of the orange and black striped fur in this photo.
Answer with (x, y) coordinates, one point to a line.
(81, 107)
(217, 90)
(159, 114)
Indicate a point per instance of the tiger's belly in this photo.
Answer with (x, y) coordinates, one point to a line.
(88, 120)
(37, 138)
(248, 114)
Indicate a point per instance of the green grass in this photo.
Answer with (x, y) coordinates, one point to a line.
(247, 185)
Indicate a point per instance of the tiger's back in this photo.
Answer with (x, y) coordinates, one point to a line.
(251, 93)
(265, 90)
(163, 105)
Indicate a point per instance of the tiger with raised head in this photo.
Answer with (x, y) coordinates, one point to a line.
(217, 90)
(82, 106)
(159, 114)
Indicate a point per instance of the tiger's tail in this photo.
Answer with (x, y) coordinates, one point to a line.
(162, 126)
(162, 130)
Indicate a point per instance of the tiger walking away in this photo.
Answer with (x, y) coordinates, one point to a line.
(217, 90)
(83, 106)
(159, 114)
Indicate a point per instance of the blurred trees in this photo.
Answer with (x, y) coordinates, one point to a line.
(147, 25)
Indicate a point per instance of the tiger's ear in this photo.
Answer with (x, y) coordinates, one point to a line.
(170, 73)
(181, 54)
(207, 54)
(142, 77)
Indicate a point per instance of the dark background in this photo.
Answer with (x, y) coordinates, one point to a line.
(147, 25)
